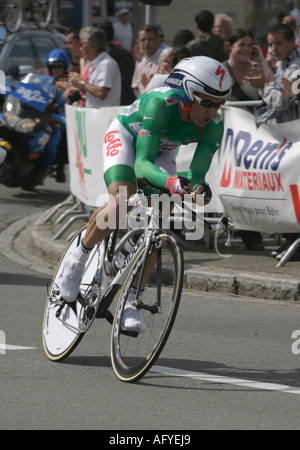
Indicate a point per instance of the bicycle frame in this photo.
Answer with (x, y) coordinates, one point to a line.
(108, 289)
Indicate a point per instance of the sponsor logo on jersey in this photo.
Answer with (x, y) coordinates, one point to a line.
(144, 132)
(113, 143)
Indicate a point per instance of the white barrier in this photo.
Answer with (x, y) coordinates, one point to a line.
(254, 176)
(86, 128)
(258, 177)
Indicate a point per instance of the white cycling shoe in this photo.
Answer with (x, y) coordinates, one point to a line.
(70, 279)
(132, 318)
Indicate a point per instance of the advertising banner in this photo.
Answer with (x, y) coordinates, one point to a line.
(259, 173)
(86, 128)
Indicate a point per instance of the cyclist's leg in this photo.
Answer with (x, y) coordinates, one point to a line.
(98, 229)
(118, 173)
(134, 351)
(166, 162)
(106, 219)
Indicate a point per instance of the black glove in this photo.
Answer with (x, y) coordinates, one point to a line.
(207, 193)
(184, 182)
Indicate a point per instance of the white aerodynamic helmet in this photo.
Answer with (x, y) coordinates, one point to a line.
(199, 74)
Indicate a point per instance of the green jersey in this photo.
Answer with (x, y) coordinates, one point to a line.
(155, 124)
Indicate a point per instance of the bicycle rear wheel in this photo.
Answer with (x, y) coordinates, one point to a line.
(42, 11)
(12, 14)
(133, 354)
(62, 334)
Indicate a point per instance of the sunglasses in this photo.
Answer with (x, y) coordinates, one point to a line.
(208, 103)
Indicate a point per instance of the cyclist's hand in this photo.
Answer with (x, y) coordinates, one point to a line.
(178, 185)
(206, 192)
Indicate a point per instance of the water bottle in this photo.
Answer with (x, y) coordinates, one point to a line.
(277, 81)
(126, 249)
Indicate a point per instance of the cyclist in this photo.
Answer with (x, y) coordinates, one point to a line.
(141, 142)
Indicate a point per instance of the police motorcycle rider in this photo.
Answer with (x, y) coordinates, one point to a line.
(148, 133)
(31, 123)
(58, 64)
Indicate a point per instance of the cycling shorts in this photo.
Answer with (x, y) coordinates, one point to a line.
(119, 156)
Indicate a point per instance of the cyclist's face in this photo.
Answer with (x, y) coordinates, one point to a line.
(201, 113)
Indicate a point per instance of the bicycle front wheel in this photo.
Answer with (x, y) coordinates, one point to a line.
(132, 353)
(65, 324)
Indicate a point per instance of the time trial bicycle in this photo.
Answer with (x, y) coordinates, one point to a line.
(157, 296)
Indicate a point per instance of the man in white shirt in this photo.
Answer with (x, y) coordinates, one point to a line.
(103, 86)
(123, 29)
(149, 41)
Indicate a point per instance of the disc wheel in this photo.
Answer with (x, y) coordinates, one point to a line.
(65, 324)
(134, 353)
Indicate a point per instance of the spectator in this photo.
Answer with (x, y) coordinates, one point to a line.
(103, 87)
(290, 21)
(149, 42)
(123, 29)
(78, 64)
(207, 43)
(222, 26)
(277, 106)
(278, 94)
(240, 49)
(163, 70)
(124, 60)
(73, 48)
(161, 36)
(168, 60)
(296, 12)
(182, 37)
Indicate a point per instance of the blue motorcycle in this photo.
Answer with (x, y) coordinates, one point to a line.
(31, 123)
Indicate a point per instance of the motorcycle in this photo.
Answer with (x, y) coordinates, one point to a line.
(30, 130)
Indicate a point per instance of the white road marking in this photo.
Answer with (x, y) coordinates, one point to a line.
(5, 347)
(225, 380)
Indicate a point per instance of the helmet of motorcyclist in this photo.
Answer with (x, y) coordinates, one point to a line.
(199, 75)
(58, 56)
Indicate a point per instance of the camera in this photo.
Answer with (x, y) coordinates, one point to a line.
(254, 52)
(74, 97)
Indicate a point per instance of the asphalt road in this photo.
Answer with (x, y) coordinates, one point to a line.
(228, 363)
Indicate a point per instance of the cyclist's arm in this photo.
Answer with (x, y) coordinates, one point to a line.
(147, 144)
(206, 148)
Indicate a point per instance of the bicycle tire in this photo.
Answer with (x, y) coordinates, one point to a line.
(61, 338)
(42, 13)
(12, 14)
(133, 355)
